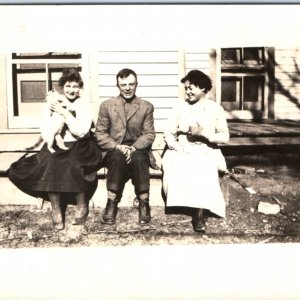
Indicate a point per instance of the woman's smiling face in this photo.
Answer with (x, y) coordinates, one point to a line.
(194, 93)
(71, 90)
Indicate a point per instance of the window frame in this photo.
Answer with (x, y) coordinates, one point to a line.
(242, 69)
(32, 123)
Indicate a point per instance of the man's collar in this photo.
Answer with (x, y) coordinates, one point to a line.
(127, 100)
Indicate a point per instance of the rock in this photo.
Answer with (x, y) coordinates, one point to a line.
(260, 171)
(268, 208)
(244, 170)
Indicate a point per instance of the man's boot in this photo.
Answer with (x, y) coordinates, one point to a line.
(82, 209)
(56, 211)
(144, 209)
(198, 220)
(110, 212)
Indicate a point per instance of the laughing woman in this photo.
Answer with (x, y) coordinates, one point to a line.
(56, 172)
(193, 159)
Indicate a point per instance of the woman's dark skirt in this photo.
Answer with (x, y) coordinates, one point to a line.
(64, 171)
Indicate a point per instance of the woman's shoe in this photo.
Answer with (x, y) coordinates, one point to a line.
(82, 210)
(56, 211)
(198, 221)
(58, 225)
(80, 215)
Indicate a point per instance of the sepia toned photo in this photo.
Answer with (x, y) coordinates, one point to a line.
(156, 128)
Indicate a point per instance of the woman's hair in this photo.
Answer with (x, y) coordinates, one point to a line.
(199, 79)
(70, 75)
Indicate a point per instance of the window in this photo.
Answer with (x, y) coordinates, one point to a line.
(243, 79)
(33, 75)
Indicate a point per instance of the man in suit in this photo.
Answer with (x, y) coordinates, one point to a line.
(125, 133)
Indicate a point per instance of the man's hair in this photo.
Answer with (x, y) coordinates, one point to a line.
(124, 73)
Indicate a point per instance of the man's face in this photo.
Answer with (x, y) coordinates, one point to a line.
(127, 86)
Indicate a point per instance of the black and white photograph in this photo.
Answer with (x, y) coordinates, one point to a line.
(150, 151)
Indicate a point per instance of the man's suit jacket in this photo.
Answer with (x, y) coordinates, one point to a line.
(112, 124)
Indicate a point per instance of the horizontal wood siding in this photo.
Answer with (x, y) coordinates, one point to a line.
(200, 60)
(158, 77)
(287, 84)
(197, 60)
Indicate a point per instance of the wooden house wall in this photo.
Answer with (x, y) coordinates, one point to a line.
(158, 73)
(287, 83)
(205, 61)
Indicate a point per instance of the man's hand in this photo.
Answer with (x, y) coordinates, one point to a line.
(127, 151)
(122, 148)
(129, 154)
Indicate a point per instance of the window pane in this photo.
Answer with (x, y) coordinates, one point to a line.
(31, 82)
(253, 56)
(33, 75)
(230, 93)
(33, 91)
(253, 93)
(29, 86)
(231, 56)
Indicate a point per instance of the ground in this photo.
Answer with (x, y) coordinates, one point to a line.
(276, 180)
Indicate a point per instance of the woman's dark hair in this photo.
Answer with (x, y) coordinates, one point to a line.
(70, 75)
(124, 73)
(199, 79)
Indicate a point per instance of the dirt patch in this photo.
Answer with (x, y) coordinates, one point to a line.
(25, 226)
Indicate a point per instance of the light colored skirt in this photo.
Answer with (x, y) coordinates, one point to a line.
(192, 180)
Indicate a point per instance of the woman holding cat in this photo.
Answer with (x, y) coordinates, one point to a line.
(69, 170)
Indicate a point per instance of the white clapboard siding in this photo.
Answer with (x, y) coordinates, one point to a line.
(289, 76)
(287, 53)
(286, 107)
(285, 68)
(282, 99)
(200, 65)
(287, 84)
(143, 79)
(197, 60)
(137, 56)
(141, 68)
(158, 73)
(162, 113)
(157, 102)
(160, 125)
(281, 115)
(145, 91)
(289, 80)
(288, 89)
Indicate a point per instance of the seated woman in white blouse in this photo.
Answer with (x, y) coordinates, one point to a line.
(192, 161)
(72, 169)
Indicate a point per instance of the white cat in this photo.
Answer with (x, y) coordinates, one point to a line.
(55, 129)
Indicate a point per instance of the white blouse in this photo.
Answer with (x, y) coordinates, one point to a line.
(78, 124)
(205, 114)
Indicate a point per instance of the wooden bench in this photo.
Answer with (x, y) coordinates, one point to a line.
(245, 135)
